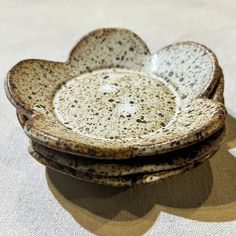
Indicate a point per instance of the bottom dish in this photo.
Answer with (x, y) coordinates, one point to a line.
(136, 165)
(120, 181)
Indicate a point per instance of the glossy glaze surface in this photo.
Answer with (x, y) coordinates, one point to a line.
(190, 68)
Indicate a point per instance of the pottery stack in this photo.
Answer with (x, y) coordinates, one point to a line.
(116, 114)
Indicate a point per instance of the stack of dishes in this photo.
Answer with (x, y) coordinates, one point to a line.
(116, 114)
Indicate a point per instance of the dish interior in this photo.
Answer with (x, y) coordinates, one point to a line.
(116, 104)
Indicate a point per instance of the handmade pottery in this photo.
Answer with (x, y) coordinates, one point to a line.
(115, 168)
(119, 168)
(162, 162)
(112, 99)
(120, 181)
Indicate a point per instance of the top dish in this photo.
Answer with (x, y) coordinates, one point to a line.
(112, 99)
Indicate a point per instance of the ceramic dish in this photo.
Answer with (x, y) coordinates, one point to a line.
(120, 168)
(107, 168)
(133, 166)
(217, 94)
(163, 162)
(113, 99)
(120, 181)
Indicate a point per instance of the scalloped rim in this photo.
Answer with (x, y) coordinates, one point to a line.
(116, 151)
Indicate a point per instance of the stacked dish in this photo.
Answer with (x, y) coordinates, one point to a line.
(116, 114)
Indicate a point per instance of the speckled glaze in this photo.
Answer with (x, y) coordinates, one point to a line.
(218, 92)
(120, 181)
(186, 72)
(136, 165)
(131, 115)
(162, 162)
(120, 168)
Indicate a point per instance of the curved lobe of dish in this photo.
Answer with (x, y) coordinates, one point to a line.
(116, 104)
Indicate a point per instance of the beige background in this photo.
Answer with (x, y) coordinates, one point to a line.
(38, 202)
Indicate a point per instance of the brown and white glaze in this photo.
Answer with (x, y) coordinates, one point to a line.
(162, 162)
(136, 165)
(119, 105)
(186, 72)
(218, 92)
(119, 181)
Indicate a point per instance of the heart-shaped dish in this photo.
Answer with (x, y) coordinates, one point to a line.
(112, 99)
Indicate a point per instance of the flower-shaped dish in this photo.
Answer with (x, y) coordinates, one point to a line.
(113, 99)
(164, 162)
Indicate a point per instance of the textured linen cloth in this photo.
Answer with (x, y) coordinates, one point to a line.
(36, 201)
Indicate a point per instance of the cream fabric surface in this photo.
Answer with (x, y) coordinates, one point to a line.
(35, 201)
